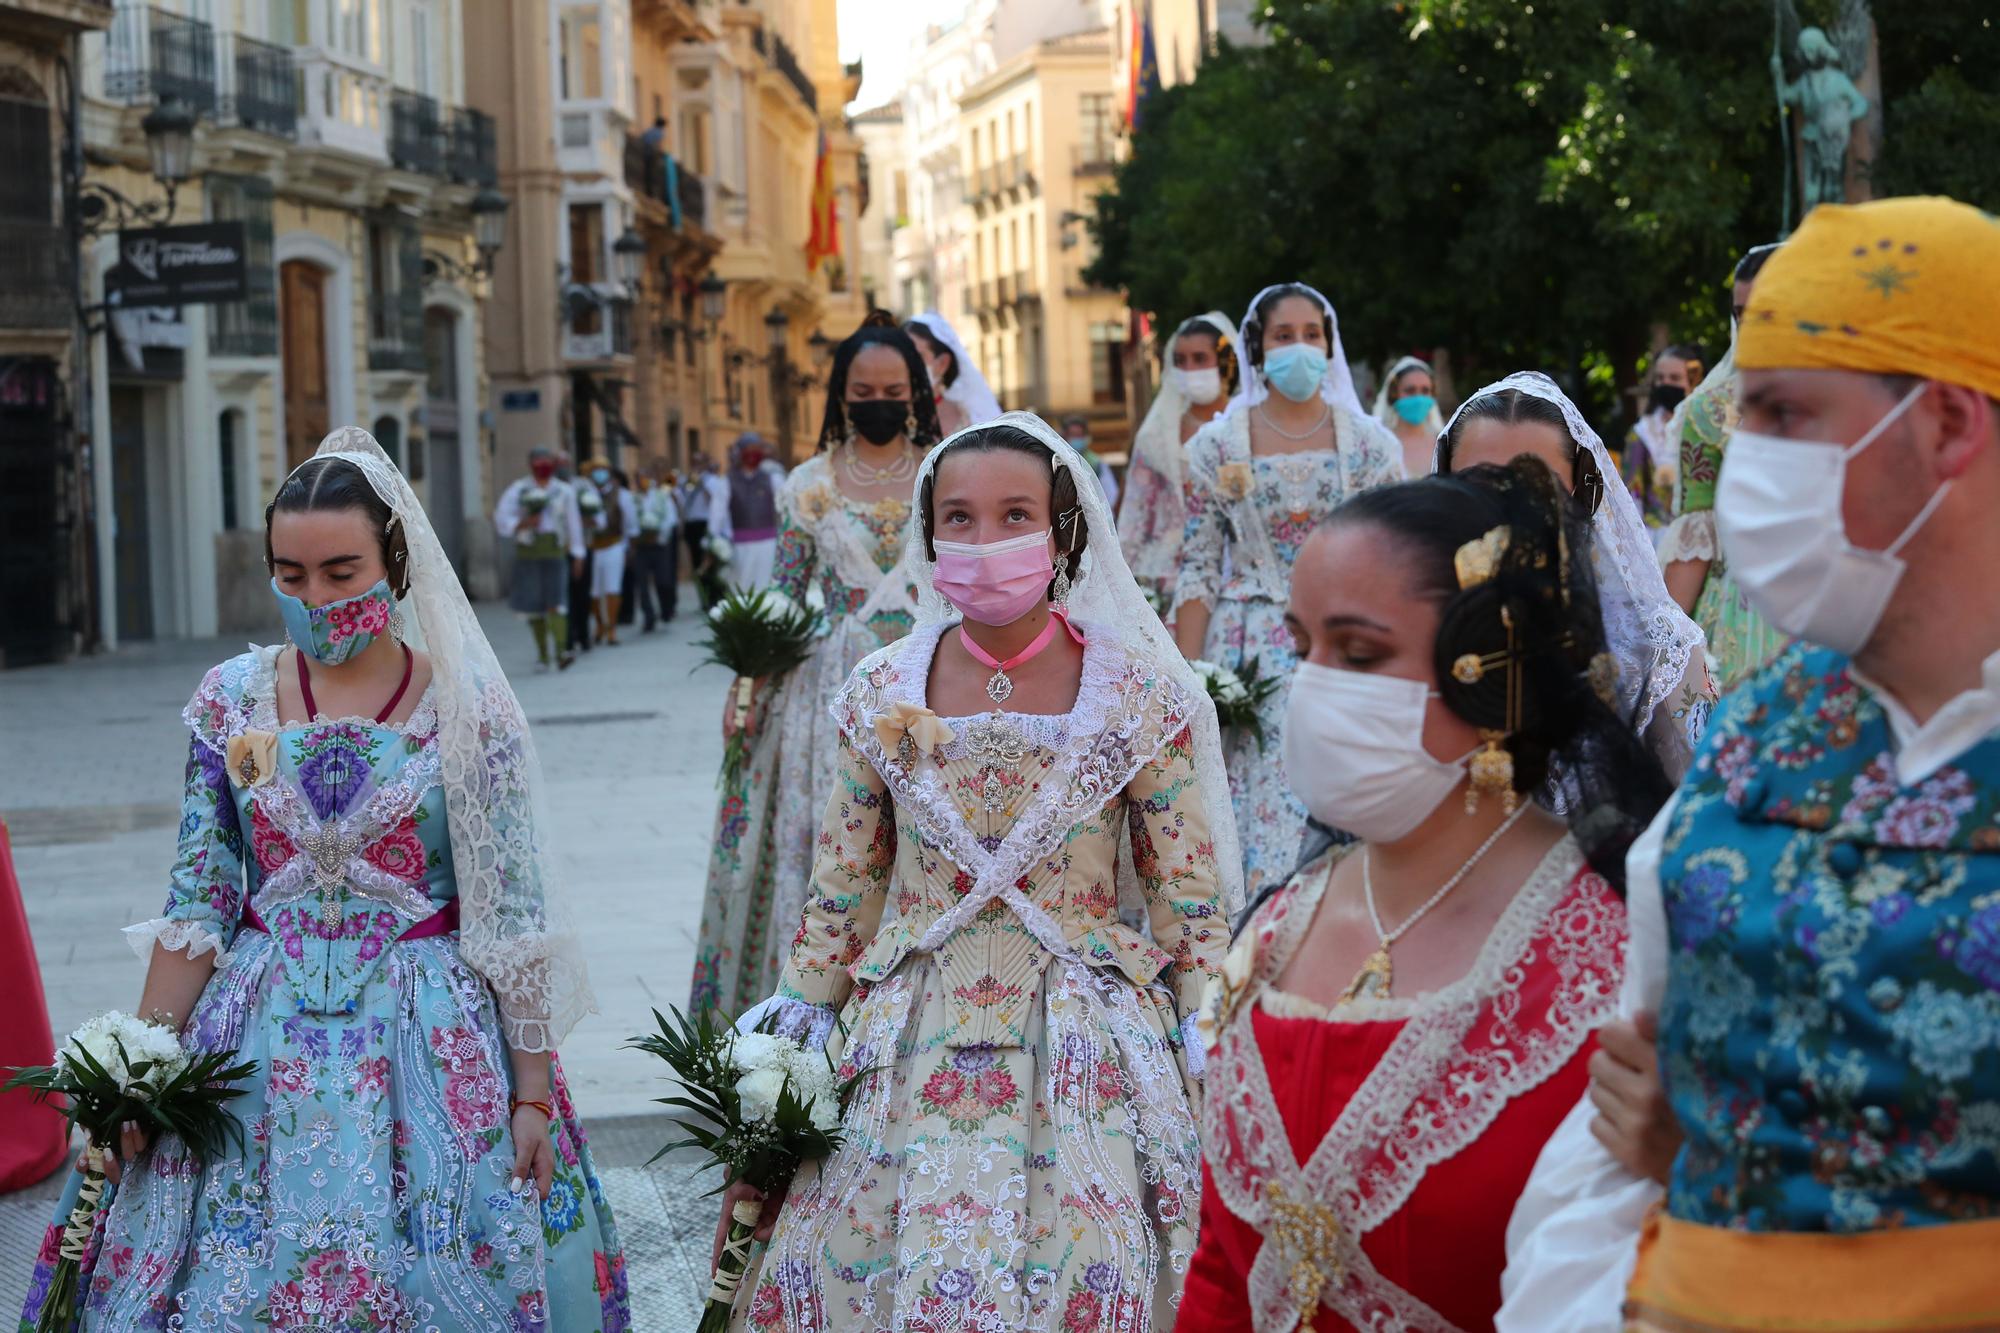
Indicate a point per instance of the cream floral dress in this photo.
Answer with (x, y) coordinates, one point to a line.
(1025, 1155)
(1247, 517)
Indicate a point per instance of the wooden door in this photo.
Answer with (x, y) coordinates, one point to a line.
(132, 545)
(302, 302)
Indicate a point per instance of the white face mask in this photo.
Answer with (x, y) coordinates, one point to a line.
(1202, 386)
(1354, 752)
(1777, 508)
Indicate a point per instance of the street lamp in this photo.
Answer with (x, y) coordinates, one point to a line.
(822, 346)
(714, 291)
(777, 322)
(169, 129)
(489, 225)
(628, 254)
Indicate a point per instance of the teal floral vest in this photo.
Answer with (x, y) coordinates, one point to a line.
(1831, 1030)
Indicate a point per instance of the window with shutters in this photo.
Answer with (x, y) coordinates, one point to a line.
(248, 327)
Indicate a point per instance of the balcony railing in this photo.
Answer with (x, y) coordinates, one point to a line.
(787, 64)
(416, 133)
(154, 56)
(1016, 172)
(35, 276)
(607, 333)
(475, 155)
(1095, 158)
(646, 174)
(258, 85)
(1024, 287)
(694, 199)
(1005, 285)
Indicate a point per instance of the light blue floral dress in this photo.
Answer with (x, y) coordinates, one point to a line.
(372, 1190)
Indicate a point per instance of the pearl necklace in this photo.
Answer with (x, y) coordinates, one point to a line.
(1310, 431)
(867, 474)
(1374, 978)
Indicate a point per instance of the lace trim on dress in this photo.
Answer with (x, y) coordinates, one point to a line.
(1466, 1050)
(257, 708)
(1690, 537)
(194, 938)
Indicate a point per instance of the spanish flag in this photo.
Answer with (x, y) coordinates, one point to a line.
(824, 242)
(1142, 70)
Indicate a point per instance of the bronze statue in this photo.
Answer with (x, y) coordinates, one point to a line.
(1824, 90)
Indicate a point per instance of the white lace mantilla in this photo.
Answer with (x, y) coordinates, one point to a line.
(1690, 537)
(1464, 1052)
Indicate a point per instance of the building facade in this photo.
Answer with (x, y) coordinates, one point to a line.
(1038, 138)
(46, 585)
(337, 135)
(886, 196)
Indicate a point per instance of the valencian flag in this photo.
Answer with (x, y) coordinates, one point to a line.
(824, 242)
(1142, 74)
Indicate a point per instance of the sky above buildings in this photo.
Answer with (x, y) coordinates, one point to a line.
(879, 33)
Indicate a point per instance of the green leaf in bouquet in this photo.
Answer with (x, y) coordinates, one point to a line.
(755, 633)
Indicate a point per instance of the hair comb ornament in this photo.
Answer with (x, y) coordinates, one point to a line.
(1478, 561)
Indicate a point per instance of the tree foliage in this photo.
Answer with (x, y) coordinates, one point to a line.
(1527, 184)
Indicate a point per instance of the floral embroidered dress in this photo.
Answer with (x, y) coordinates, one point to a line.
(1247, 517)
(1024, 1157)
(1361, 1164)
(372, 1193)
(1649, 465)
(761, 855)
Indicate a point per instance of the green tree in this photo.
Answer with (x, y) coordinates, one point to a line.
(1529, 185)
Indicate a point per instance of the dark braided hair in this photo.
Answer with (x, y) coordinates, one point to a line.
(879, 329)
(1065, 510)
(1510, 407)
(1570, 747)
(1253, 327)
(327, 485)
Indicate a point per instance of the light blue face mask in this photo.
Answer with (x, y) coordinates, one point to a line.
(1295, 370)
(1415, 408)
(333, 633)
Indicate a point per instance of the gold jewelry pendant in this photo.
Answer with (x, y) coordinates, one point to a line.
(1492, 772)
(1373, 980)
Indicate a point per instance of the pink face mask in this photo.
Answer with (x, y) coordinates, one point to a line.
(997, 583)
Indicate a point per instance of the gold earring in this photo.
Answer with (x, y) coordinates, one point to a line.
(1492, 772)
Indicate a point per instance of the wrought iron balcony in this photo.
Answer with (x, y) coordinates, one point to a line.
(154, 56)
(416, 133)
(787, 64)
(35, 276)
(1095, 158)
(475, 155)
(694, 199)
(258, 85)
(646, 175)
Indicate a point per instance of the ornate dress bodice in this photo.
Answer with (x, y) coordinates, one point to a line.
(841, 546)
(1830, 1035)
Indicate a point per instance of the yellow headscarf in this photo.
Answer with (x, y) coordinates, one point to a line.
(1894, 287)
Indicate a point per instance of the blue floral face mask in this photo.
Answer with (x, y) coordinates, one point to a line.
(333, 633)
(1295, 370)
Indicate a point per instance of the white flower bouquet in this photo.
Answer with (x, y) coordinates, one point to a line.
(1237, 696)
(535, 499)
(769, 1105)
(720, 549)
(757, 634)
(115, 1069)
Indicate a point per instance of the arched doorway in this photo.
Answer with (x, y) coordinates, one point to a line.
(302, 295)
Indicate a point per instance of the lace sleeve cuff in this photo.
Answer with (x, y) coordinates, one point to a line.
(1690, 537)
(1197, 1053)
(807, 1024)
(194, 938)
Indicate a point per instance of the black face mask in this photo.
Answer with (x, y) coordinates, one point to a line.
(878, 420)
(1665, 397)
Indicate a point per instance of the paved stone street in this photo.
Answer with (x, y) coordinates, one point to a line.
(629, 746)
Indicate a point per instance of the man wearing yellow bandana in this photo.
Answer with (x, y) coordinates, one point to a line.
(1815, 916)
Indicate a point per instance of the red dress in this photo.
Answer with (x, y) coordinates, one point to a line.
(33, 1138)
(1377, 1155)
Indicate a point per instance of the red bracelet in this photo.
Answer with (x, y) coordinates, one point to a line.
(515, 1103)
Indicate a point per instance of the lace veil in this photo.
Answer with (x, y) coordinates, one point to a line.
(970, 390)
(1106, 598)
(513, 930)
(1652, 639)
(1385, 412)
(1157, 446)
(1338, 386)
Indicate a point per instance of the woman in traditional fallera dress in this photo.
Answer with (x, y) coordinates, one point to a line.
(844, 519)
(362, 904)
(1260, 478)
(1198, 383)
(1662, 679)
(1024, 1154)
(1365, 1140)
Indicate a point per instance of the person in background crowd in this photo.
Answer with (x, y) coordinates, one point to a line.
(655, 551)
(538, 514)
(1199, 380)
(697, 502)
(1739, 640)
(1260, 477)
(1076, 434)
(1384, 1075)
(1815, 916)
(747, 516)
(1650, 464)
(579, 617)
(655, 137)
(1407, 404)
(1655, 663)
(611, 526)
(963, 396)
